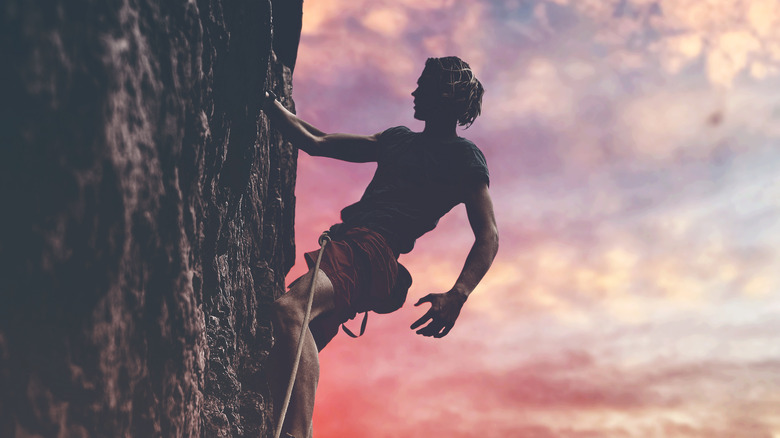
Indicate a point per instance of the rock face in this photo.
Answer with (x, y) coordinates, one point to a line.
(148, 215)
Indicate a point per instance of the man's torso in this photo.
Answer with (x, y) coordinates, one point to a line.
(417, 181)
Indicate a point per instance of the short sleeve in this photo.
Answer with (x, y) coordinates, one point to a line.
(475, 168)
(393, 135)
(391, 138)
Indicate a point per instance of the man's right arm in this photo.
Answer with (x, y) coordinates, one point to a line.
(346, 147)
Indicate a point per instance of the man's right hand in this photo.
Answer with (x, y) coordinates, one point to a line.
(441, 317)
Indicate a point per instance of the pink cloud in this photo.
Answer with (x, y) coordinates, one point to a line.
(634, 292)
(563, 396)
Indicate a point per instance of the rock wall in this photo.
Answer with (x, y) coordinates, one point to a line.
(148, 214)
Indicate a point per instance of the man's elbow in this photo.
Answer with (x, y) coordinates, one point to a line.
(312, 144)
(489, 239)
(494, 241)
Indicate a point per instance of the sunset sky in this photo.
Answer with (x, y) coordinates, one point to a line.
(634, 149)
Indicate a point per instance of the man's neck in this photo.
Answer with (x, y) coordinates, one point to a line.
(440, 129)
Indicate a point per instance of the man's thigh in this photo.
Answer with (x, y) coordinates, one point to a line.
(298, 294)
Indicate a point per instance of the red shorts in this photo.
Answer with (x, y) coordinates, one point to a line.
(363, 270)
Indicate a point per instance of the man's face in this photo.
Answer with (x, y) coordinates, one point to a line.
(428, 100)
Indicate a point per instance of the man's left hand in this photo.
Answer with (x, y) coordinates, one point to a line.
(444, 310)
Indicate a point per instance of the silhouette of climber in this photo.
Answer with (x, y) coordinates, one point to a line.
(420, 176)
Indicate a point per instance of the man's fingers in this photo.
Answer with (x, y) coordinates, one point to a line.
(431, 329)
(422, 320)
(444, 332)
(434, 323)
(426, 299)
(426, 331)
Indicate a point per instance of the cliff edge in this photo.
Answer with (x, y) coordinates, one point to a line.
(148, 216)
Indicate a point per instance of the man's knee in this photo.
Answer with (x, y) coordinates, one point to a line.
(288, 311)
(287, 314)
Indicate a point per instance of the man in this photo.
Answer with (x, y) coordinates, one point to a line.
(419, 178)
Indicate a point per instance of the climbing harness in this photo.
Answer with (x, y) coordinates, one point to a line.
(323, 240)
(350, 333)
(394, 302)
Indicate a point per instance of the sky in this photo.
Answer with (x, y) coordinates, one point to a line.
(633, 148)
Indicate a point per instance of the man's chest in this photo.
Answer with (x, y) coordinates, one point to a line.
(420, 167)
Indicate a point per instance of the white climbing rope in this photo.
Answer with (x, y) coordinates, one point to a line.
(323, 240)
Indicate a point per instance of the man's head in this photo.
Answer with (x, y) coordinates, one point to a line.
(448, 87)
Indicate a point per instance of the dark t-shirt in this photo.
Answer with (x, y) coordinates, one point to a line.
(417, 181)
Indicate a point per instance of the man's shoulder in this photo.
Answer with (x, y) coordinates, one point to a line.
(393, 140)
(472, 163)
(469, 150)
(395, 132)
(467, 145)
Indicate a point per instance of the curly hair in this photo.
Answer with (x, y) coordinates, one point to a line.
(459, 85)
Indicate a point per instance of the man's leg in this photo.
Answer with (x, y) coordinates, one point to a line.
(288, 314)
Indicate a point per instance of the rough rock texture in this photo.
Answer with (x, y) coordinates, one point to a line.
(148, 215)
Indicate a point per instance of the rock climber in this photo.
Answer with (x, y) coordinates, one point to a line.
(420, 176)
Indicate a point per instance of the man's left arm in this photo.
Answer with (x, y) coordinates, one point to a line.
(445, 307)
